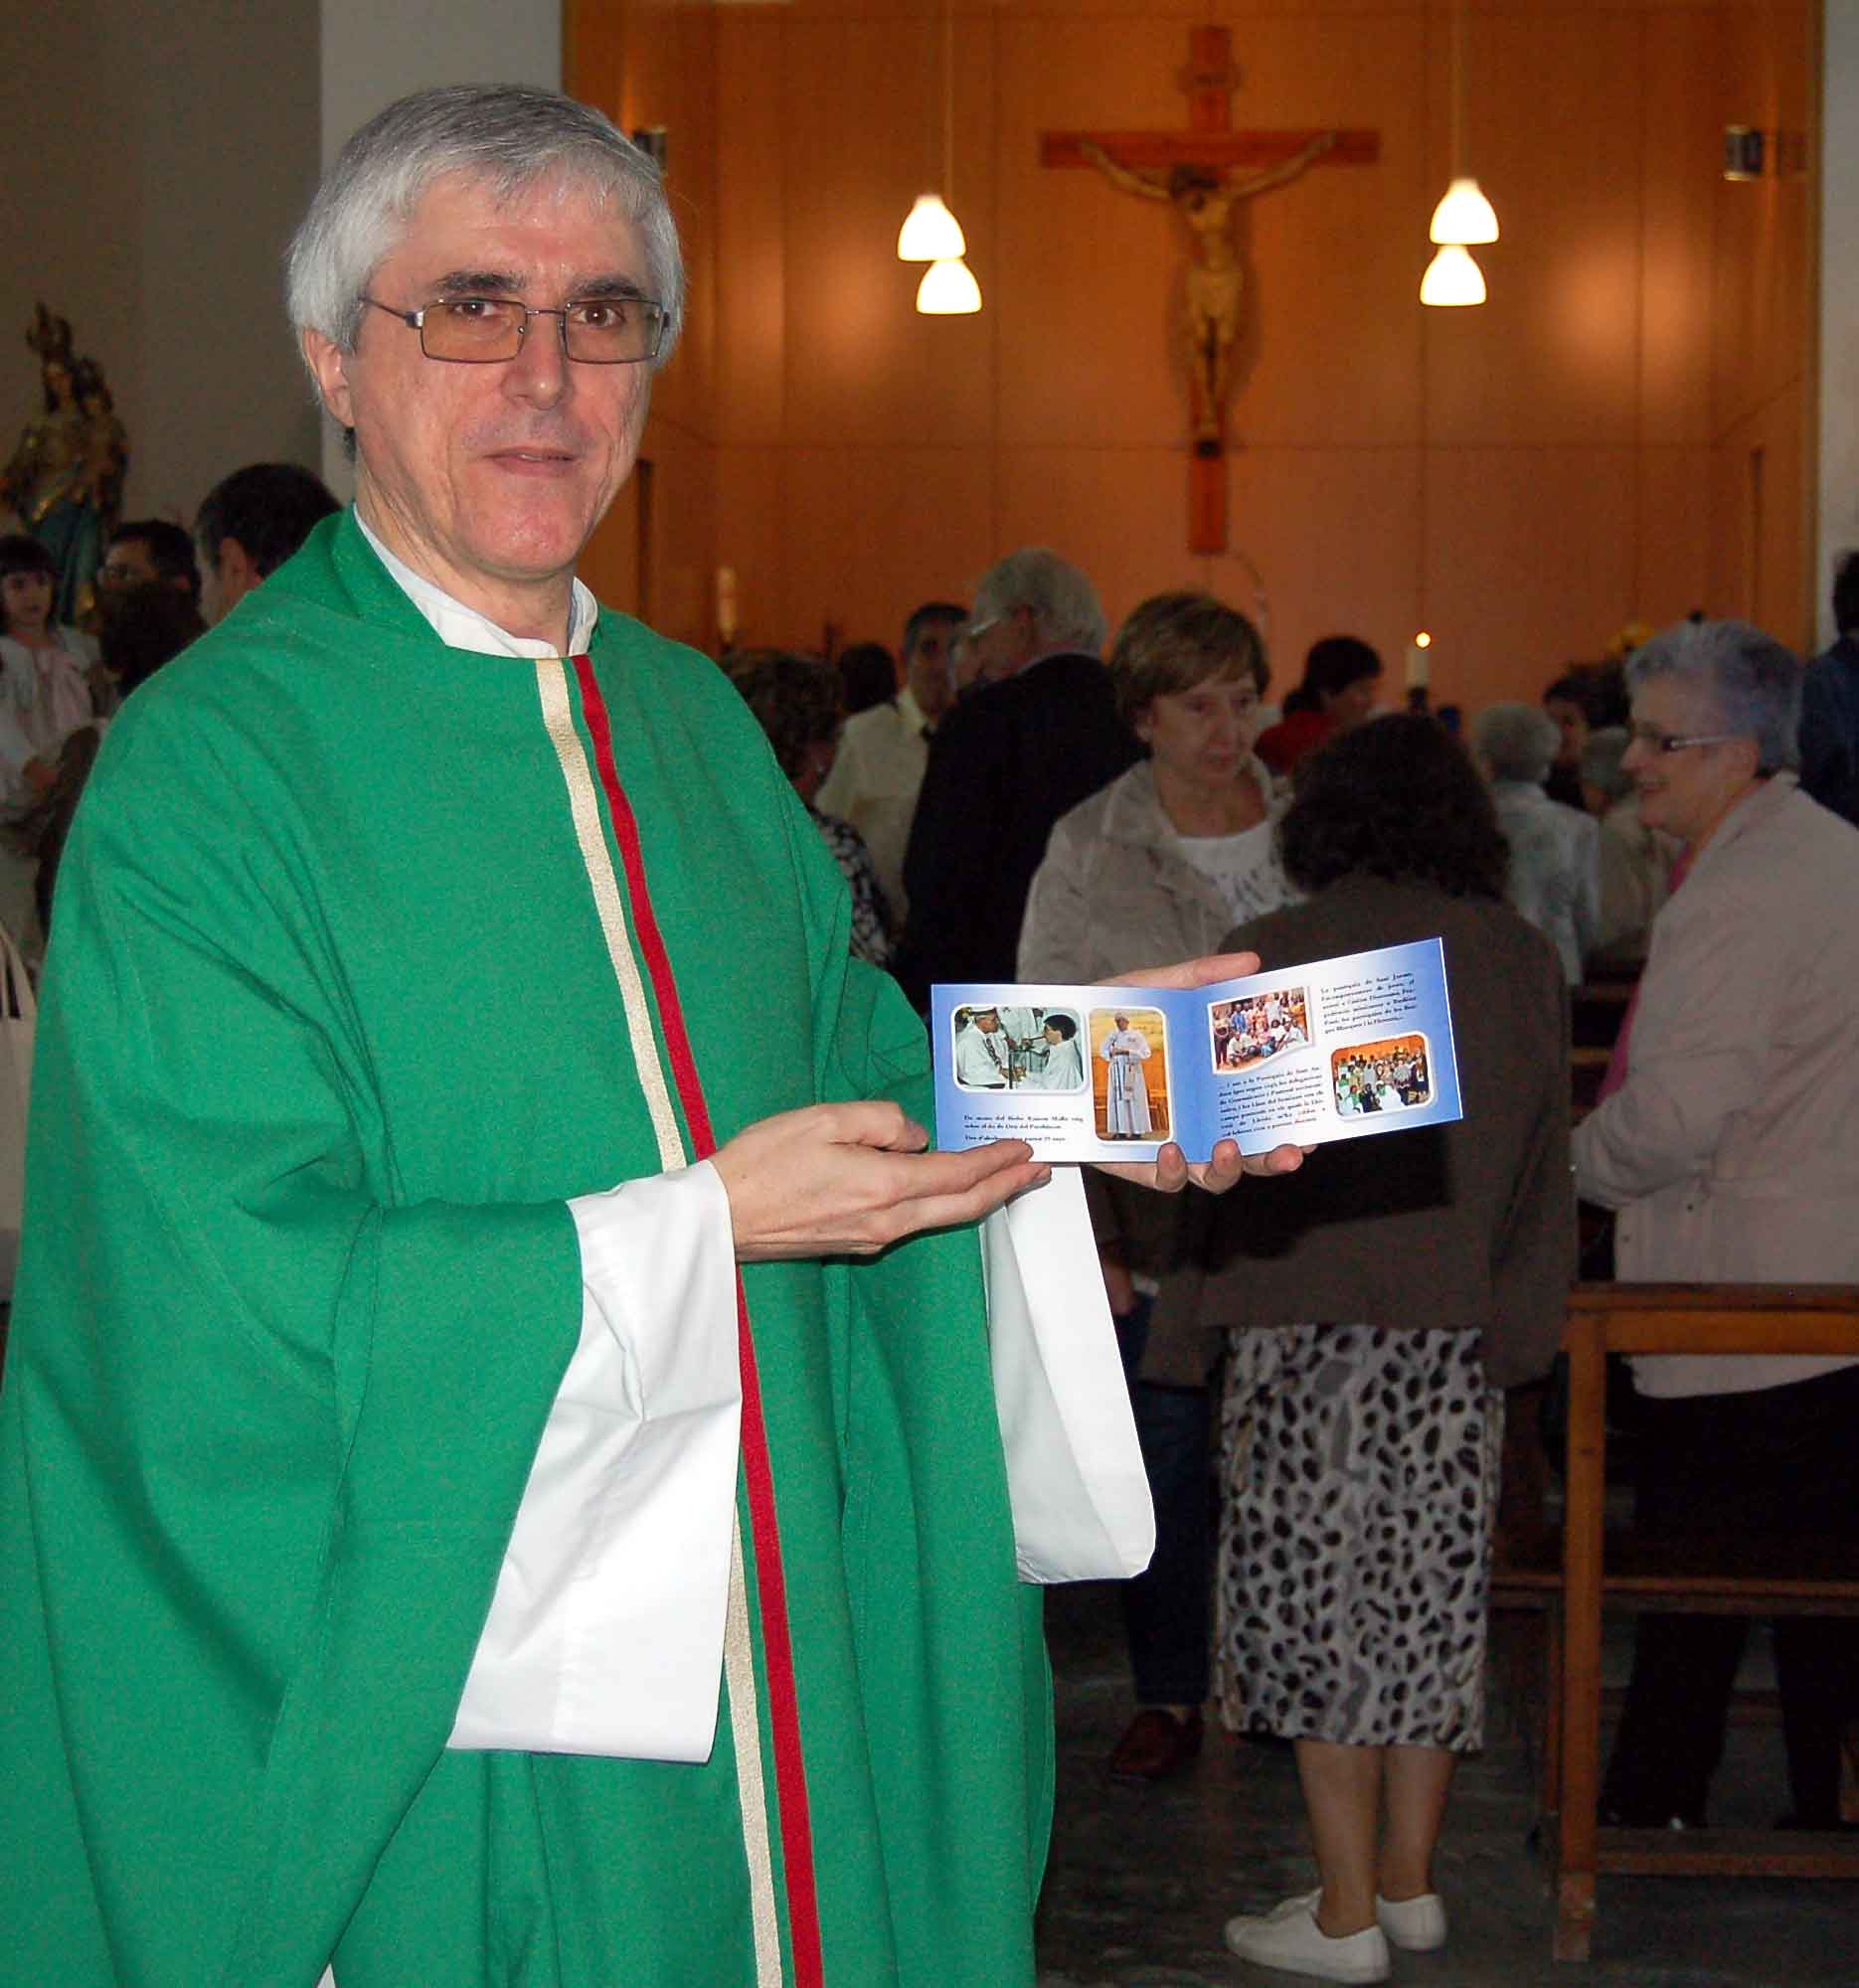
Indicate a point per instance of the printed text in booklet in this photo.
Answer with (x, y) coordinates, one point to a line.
(1335, 1050)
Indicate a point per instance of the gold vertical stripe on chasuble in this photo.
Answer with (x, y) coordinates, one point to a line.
(739, 1666)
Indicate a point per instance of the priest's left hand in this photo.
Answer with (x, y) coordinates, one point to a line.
(1170, 1172)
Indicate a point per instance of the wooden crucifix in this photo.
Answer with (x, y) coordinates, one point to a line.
(1205, 173)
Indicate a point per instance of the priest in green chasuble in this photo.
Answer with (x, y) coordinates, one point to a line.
(500, 1488)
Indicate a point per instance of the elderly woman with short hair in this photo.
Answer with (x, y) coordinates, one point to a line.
(1555, 851)
(1157, 865)
(1731, 1152)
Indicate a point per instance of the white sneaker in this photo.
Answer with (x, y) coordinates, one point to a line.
(1417, 1925)
(1288, 1937)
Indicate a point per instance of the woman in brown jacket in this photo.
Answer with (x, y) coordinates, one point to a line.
(1380, 1302)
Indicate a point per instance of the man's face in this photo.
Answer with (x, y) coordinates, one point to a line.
(126, 564)
(987, 1021)
(927, 667)
(488, 479)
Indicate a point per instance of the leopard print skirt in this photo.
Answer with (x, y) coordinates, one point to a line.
(1361, 1483)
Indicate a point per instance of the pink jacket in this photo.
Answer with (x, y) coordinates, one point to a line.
(1732, 1150)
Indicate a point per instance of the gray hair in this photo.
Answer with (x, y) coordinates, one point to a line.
(507, 136)
(1753, 682)
(1601, 761)
(1063, 604)
(1517, 741)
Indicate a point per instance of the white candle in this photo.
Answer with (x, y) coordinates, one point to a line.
(1418, 676)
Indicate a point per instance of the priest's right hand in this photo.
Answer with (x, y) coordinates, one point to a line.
(849, 1179)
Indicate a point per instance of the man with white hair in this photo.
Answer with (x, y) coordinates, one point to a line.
(1555, 850)
(468, 1516)
(1038, 735)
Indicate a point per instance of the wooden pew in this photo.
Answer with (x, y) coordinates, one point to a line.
(1756, 1578)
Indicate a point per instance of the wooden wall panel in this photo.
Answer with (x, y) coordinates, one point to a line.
(1336, 535)
(929, 509)
(1088, 277)
(1554, 101)
(1674, 533)
(1680, 132)
(1529, 563)
(646, 63)
(751, 229)
(863, 367)
(1523, 478)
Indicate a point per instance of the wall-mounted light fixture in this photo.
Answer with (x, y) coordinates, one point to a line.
(1745, 152)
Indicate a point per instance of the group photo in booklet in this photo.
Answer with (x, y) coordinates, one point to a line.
(1339, 1049)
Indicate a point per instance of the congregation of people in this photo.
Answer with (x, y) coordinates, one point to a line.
(154, 592)
(291, 1159)
(1381, 1083)
(1546, 849)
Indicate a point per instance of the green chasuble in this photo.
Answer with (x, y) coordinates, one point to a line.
(335, 1023)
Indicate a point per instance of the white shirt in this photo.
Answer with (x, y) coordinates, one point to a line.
(982, 1057)
(875, 779)
(1244, 868)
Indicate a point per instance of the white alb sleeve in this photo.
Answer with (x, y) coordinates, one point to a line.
(1074, 1475)
(605, 1633)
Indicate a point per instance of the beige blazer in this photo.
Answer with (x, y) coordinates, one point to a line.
(1732, 1151)
(1114, 893)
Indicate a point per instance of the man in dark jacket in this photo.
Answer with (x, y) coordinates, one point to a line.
(1038, 735)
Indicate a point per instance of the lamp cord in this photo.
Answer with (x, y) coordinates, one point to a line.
(949, 103)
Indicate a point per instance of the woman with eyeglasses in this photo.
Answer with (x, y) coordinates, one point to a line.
(1731, 1152)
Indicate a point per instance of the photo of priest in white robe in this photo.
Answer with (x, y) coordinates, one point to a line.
(1127, 1093)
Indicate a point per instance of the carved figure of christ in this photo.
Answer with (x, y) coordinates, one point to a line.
(1205, 173)
(1204, 200)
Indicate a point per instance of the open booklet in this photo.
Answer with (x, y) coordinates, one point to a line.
(1336, 1050)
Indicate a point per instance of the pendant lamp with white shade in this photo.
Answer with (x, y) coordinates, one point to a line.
(1463, 216)
(931, 233)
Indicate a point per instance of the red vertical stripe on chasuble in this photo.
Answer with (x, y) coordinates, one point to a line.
(790, 1779)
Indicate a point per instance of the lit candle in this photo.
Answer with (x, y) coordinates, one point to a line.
(1418, 677)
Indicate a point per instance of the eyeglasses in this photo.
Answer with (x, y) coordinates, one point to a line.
(971, 629)
(481, 331)
(1656, 741)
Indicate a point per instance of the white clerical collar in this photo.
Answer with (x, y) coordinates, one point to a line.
(462, 627)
